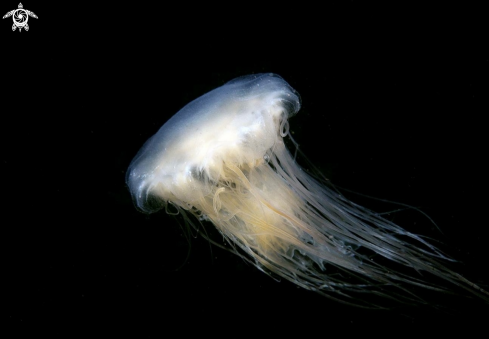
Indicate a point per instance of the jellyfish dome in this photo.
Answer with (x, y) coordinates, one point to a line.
(222, 158)
(233, 125)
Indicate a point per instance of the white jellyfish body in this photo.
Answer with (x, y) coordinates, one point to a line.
(223, 157)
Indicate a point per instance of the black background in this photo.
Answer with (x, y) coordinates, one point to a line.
(393, 106)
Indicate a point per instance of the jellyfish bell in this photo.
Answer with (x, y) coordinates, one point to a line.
(234, 124)
(222, 157)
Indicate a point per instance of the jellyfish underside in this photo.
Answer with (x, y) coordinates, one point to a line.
(223, 159)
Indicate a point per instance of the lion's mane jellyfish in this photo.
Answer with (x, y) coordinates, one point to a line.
(222, 158)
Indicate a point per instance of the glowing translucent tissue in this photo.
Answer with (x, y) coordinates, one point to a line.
(222, 158)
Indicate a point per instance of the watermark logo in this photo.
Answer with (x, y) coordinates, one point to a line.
(20, 17)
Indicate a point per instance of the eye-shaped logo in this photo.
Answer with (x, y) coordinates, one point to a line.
(20, 17)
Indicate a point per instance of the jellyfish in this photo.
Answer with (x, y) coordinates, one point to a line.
(222, 158)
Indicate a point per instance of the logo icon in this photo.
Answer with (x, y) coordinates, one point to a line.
(20, 17)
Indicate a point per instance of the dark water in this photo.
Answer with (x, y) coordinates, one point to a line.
(392, 113)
